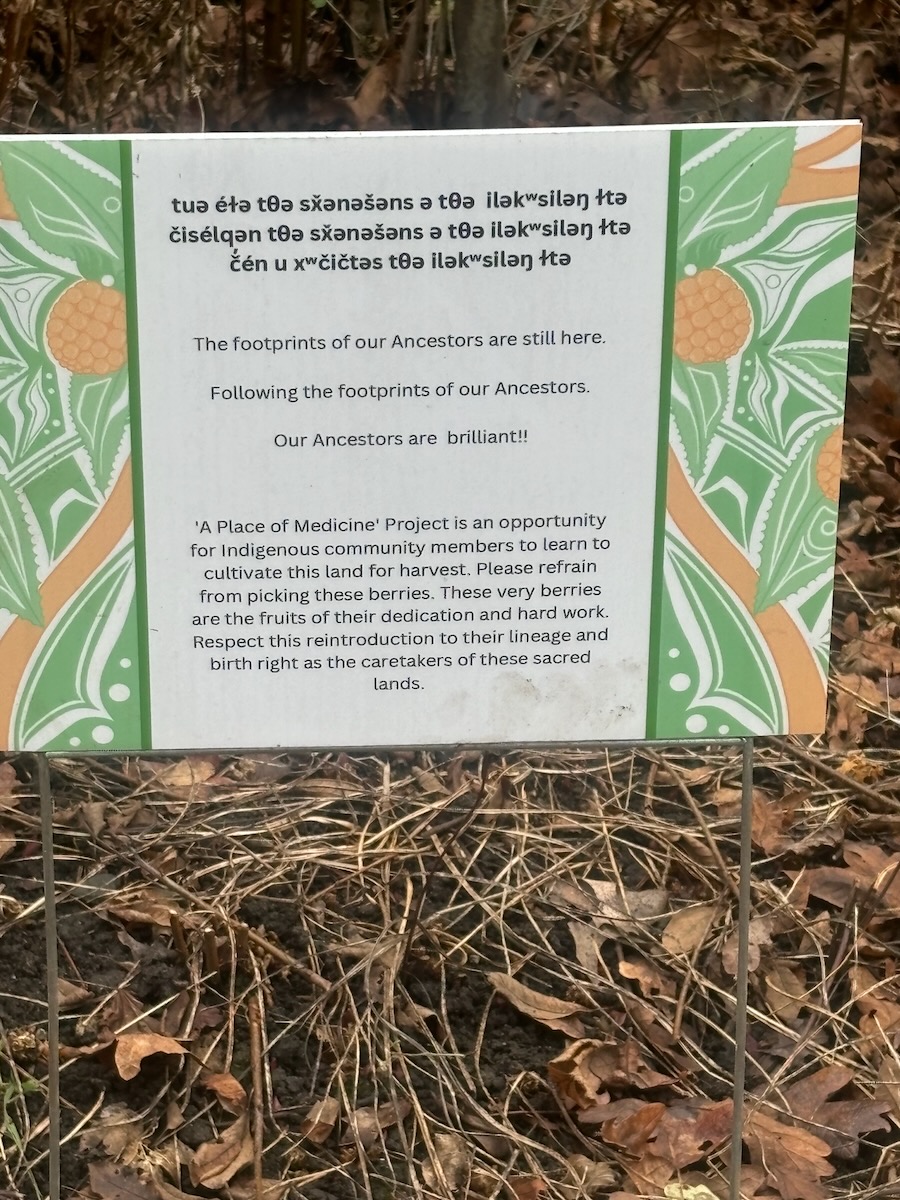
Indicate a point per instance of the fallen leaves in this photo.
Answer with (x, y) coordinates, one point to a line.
(772, 819)
(132, 1048)
(840, 1123)
(794, 1160)
(365, 1125)
(660, 1139)
(215, 1163)
(760, 936)
(688, 928)
(587, 1068)
(318, 1124)
(868, 870)
(118, 1132)
(550, 1011)
(111, 1182)
(228, 1091)
(612, 909)
(786, 991)
(451, 1165)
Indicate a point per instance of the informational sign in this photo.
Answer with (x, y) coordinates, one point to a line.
(524, 436)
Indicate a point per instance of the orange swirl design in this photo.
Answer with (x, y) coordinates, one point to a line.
(20, 641)
(809, 181)
(801, 680)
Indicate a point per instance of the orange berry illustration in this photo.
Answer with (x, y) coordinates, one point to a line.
(828, 465)
(7, 209)
(86, 329)
(712, 317)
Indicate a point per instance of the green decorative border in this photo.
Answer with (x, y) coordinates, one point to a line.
(137, 447)
(765, 224)
(68, 620)
(665, 396)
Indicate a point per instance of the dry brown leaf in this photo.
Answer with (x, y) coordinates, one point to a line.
(7, 841)
(786, 991)
(795, 1160)
(117, 1131)
(123, 1011)
(651, 981)
(888, 1088)
(366, 1124)
(585, 1069)
(529, 1187)
(319, 1122)
(880, 1015)
(838, 1122)
(772, 819)
(71, 994)
(8, 783)
(186, 773)
(760, 935)
(92, 815)
(626, 909)
(854, 694)
(228, 1091)
(688, 1191)
(554, 1013)
(111, 1182)
(133, 1048)
(867, 867)
(587, 1177)
(215, 1163)
(588, 942)
(449, 1172)
(147, 906)
(687, 929)
(863, 770)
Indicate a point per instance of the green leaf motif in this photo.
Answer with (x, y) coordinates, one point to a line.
(729, 189)
(77, 679)
(18, 568)
(27, 287)
(99, 406)
(699, 402)
(30, 415)
(797, 261)
(716, 673)
(785, 403)
(798, 538)
(737, 485)
(60, 495)
(823, 363)
(67, 203)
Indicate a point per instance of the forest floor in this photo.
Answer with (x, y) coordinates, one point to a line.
(480, 975)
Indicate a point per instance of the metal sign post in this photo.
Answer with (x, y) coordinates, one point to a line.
(47, 857)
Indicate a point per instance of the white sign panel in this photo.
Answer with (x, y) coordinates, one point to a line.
(420, 438)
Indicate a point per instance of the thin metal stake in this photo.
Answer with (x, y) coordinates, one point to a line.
(745, 897)
(43, 772)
